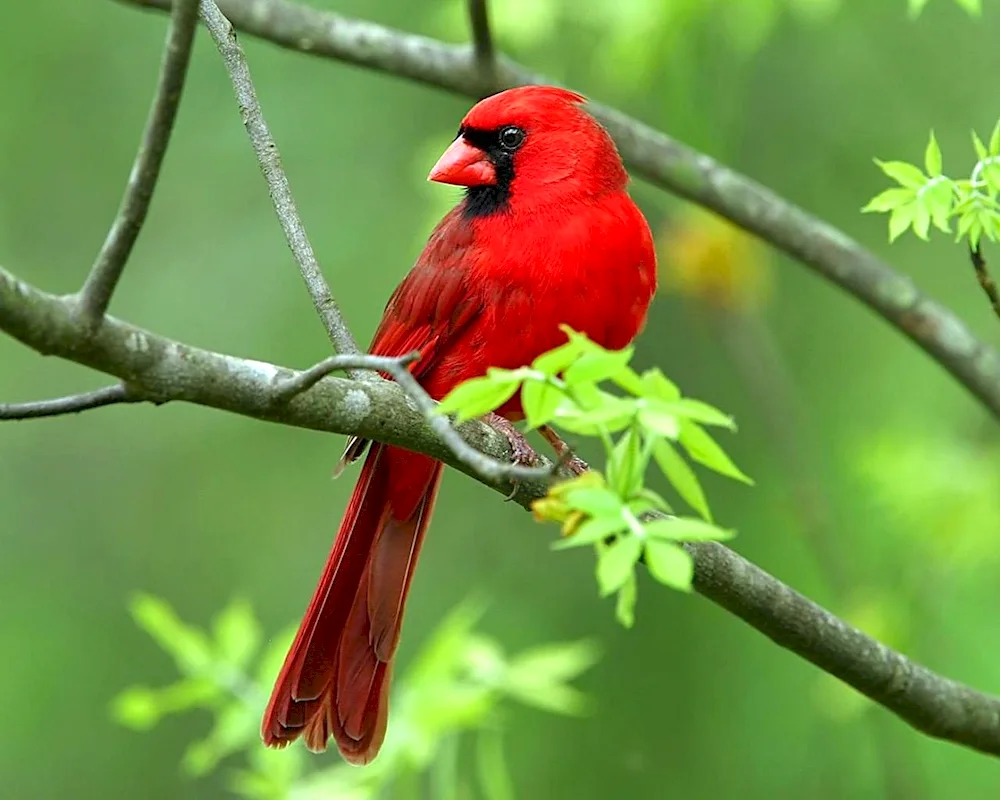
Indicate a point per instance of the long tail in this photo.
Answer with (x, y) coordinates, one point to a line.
(335, 678)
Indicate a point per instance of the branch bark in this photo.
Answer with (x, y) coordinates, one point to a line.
(73, 404)
(269, 160)
(160, 369)
(655, 157)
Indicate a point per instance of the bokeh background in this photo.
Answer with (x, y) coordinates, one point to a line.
(877, 479)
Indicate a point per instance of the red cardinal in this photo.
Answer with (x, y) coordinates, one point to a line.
(546, 235)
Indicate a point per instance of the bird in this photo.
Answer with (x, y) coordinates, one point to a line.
(545, 235)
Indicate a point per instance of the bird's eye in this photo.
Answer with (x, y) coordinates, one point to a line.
(511, 138)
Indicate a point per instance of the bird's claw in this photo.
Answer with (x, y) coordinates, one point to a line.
(577, 465)
(522, 453)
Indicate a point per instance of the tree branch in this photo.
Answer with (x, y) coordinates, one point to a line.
(482, 40)
(477, 464)
(277, 182)
(985, 279)
(95, 296)
(659, 159)
(159, 369)
(106, 396)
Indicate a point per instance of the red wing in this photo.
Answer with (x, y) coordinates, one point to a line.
(429, 308)
(433, 303)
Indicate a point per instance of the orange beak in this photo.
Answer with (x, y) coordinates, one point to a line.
(464, 165)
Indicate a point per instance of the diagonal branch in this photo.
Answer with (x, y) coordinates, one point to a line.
(95, 296)
(277, 182)
(659, 159)
(106, 396)
(160, 369)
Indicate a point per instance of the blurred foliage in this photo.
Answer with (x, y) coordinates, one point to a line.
(458, 683)
(707, 259)
(196, 506)
(974, 7)
(630, 34)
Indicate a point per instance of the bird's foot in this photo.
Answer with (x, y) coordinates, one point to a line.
(522, 453)
(564, 453)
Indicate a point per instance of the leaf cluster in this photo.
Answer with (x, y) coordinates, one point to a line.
(644, 421)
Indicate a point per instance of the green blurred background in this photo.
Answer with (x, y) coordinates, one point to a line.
(879, 499)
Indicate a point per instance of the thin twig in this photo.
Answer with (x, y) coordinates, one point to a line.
(658, 158)
(170, 370)
(482, 41)
(985, 279)
(281, 194)
(490, 469)
(95, 296)
(106, 396)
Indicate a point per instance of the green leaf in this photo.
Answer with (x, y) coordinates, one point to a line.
(699, 411)
(704, 449)
(597, 501)
(555, 361)
(981, 152)
(647, 500)
(611, 415)
(657, 385)
(939, 199)
(625, 604)
(921, 219)
(969, 225)
(137, 708)
(669, 564)
(595, 529)
(890, 199)
(630, 381)
(141, 708)
(992, 174)
(903, 173)
(932, 157)
(687, 529)
(540, 401)
(555, 698)
(915, 7)
(991, 225)
(658, 419)
(995, 140)
(555, 662)
(479, 396)
(681, 476)
(237, 633)
(188, 646)
(974, 7)
(597, 366)
(616, 562)
(626, 466)
(900, 219)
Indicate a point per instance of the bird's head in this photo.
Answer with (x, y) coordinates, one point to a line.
(529, 146)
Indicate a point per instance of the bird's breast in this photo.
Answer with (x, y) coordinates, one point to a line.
(592, 268)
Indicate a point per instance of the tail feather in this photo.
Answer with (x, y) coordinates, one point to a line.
(335, 678)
